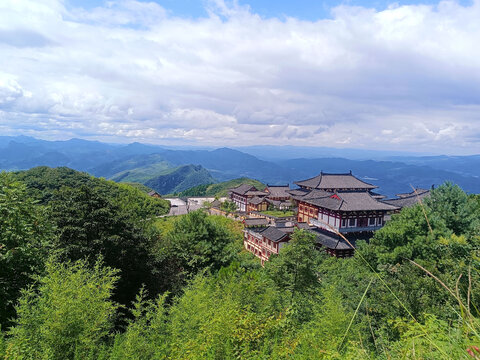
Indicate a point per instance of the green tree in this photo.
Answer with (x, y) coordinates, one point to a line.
(25, 241)
(229, 207)
(70, 316)
(296, 267)
(90, 224)
(197, 242)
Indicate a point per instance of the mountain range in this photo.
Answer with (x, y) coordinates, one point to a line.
(168, 170)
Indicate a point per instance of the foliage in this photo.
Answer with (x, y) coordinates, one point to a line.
(197, 243)
(279, 213)
(25, 241)
(90, 224)
(69, 317)
(411, 292)
(228, 206)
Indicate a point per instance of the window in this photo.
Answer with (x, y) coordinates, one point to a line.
(300, 208)
(379, 221)
(352, 222)
(371, 221)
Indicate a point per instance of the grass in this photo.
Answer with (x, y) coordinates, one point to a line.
(279, 213)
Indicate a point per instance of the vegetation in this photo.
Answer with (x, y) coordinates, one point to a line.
(220, 189)
(101, 281)
(278, 213)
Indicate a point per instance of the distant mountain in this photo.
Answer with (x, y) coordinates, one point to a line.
(393, 172)
(180, 179)
(391, 177)
(220, 189)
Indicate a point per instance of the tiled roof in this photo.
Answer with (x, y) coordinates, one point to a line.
(406, 201)
(274, 234)
(256, 200)
(335, 181)
(255, 193)
(415, 192)
(153, 192)
(350, 201)
(278, 191)
(331, 240)
(255, 222)
(243, 189)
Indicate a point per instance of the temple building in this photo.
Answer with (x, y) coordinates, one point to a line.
(334, 204)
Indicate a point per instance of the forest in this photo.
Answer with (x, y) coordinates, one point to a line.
(88, 270)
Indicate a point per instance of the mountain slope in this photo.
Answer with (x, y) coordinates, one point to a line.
(180, 179)
(220, 189)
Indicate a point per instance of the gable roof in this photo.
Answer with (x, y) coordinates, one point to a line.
(335, 181)
(243, 189)
(278, 190)
(256, 200)
(274, 234)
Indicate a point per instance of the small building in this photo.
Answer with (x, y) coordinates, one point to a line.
(241, 194)
(154, 194)
(263, 242)
(278, 192)
(257, 204)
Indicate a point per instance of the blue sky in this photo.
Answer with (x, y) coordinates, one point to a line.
(356, 74)
(302, 9)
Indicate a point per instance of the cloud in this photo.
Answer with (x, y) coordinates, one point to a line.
(407, 77)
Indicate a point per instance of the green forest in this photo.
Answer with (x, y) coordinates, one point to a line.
(89, 271)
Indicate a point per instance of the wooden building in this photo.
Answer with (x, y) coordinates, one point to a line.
(263, 242)
(257, 204)
(241, 195)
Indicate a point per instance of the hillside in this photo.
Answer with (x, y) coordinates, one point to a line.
(179, 179)
(220, 189)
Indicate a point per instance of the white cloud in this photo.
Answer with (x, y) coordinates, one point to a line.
(407, 77)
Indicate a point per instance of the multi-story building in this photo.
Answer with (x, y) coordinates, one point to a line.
(263, 242)
(339, 206)
(241, 195)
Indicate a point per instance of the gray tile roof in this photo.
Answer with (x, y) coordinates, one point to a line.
(255, 222)
(335, 181)
(415, 192)
(406, 201)
(279, 191)
(274, 234)
(331, 240)
(243, 189)
(256, 200)
(350, 201)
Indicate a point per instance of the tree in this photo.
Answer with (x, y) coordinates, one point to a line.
(229, 207)
(295, 268)
(25, 241)
(90, 224)
(197, 243)
(70, 315)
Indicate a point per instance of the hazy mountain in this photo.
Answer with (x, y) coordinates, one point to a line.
(142, 163)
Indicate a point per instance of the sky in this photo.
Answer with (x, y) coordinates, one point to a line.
(367, 74)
